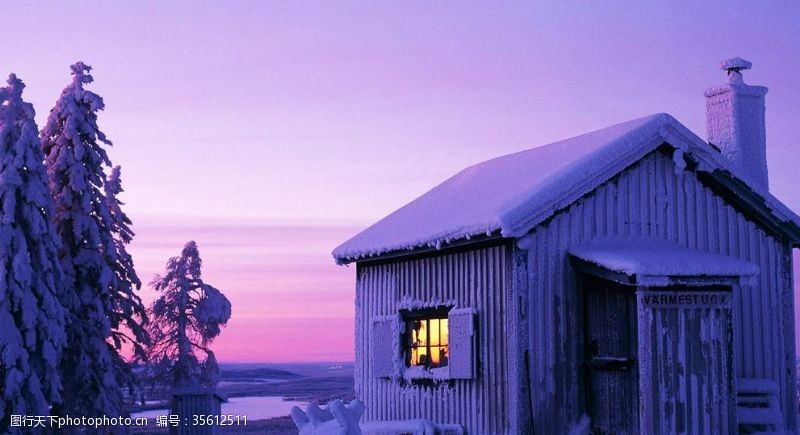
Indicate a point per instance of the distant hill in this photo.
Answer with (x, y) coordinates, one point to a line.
(320, 381)
(256, 374)
(312, 369)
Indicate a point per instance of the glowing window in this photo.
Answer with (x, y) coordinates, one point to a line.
(426, 342)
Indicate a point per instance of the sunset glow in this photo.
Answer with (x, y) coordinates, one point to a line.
(271, 132)
(290, 301)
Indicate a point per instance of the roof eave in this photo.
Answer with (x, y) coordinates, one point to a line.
(478, 239)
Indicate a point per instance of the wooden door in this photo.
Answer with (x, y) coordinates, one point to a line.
(686, 358)
(610, 339)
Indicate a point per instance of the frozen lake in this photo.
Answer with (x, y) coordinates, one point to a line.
(255, 408)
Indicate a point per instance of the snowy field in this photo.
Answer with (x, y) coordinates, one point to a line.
(265, 391)
(255, 408)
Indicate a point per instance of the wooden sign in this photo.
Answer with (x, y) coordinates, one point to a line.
(684, 299)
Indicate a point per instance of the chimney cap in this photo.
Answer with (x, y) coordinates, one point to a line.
(734, 67)
(735, 64)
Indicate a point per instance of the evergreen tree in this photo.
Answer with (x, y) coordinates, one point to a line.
(129, 316)
(31, 317)
(185, 319)
(90, 257)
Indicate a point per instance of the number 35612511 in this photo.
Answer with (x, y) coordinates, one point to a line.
(219, 420)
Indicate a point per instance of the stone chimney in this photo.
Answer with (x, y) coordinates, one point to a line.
(735, 122)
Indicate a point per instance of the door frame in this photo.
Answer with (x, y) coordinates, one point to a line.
(585, 282)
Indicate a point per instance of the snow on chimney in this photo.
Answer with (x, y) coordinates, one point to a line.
(735, 122)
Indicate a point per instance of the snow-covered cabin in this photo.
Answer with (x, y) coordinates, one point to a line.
(637, 275)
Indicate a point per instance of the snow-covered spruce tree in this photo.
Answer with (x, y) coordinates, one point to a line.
(98, 277)
(129, 316)
(31, 317)
(184, 320)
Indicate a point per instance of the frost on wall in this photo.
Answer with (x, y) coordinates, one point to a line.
(415, 373)
(410, 304)
(679, 160)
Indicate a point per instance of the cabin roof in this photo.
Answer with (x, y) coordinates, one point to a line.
(652, 262)
(509, 195)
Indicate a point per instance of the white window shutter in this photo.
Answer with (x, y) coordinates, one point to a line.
(385, 346)
(461, 324)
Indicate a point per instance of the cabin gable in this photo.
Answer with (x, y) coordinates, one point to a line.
(657, 199)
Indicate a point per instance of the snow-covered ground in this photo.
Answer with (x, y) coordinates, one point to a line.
(255, 408)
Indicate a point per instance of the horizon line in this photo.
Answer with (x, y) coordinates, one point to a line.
(201, 220)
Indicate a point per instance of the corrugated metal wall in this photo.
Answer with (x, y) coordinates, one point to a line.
(477, 278)
(649, 199)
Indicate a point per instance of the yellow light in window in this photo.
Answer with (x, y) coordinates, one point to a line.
(428, 342)
(422, 334)
(434, 332)
(435, 356)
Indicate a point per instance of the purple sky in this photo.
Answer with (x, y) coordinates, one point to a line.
(336, 114)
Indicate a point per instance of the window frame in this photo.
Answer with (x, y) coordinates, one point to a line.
(407, 316)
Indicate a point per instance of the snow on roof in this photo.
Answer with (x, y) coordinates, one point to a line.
(509, 195)
(650, 260)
